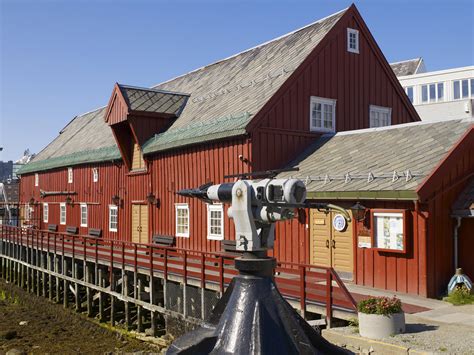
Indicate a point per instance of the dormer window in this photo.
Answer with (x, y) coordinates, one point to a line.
(352, 40)
(69, 175)
(137, 159)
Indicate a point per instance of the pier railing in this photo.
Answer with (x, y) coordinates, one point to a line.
(302, 283)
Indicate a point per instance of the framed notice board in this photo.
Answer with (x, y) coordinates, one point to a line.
(389, 232)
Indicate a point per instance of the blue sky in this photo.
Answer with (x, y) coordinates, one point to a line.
(61, 58)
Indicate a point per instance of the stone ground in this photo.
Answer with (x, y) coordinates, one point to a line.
(440, 332)
(34, 325)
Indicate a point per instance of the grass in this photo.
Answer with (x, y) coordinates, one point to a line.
(460, 296)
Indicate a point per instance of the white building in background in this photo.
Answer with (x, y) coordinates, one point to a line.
(437, 95)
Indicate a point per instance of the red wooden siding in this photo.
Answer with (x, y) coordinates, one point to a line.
(168, 173)
(188, 168)
(281, 129)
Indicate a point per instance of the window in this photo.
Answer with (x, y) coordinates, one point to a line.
(69, 175)
(380, 116)
(83, 215)
(432, 92)
(28, 212)
(323, 114)
(409, 92)
(36, 179)
(389, 230)
(45, 212)
(462, 89)
(62, 213)
(113, 218)
(352, 40)
(137, 159)
(95, 174)
(182, 220)
(215, 222)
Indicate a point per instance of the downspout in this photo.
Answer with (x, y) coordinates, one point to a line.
(456, 239)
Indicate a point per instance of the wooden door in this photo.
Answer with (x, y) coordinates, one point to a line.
(139, 223)
(320, 231)
(330, 247)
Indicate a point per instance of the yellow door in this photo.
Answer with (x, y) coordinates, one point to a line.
(139, 223)
(330, 247)
(320, 238)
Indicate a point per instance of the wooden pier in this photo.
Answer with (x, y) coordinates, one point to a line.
(144, 286)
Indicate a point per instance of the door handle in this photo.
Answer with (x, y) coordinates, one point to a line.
(334, 244)
(327, 243)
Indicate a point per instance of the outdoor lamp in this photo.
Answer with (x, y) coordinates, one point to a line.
(152, 200)
(116, 200)
(358, 211)
(68, 200)
(32, 200)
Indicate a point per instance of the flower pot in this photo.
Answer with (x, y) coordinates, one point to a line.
(377, 326)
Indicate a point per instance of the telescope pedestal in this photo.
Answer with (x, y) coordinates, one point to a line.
(253, 318)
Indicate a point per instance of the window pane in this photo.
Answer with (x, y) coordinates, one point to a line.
(432, 92)
(472, 87)
(457, 93)
(465, 89)
(410, 93)
(440, 91)
(424, 93)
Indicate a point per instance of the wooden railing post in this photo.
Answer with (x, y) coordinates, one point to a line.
(165, 272)
(203, 271)
(303, 291)
(328, 297)
(221, 274)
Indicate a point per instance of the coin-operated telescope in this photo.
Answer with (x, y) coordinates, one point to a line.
(252, 317)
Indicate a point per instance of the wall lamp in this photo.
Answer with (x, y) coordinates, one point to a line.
(152, 200)
(116, 200)
(68, 200)
(358, 211)
(32, 201)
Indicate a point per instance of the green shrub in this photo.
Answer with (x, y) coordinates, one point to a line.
(380, 305)
(460, 295)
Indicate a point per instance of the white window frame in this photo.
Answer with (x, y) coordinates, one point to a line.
(36, 179)
(380, 109)
(61, 220)
(184, 207)
(436, 99)
(115, 209)
(215, 208)
(470, 94)
(83, 207)
(28, 212)
(413, 93)
(70, 175)
(352, 31)
(45, 212)
(95, 174)
(323, 101)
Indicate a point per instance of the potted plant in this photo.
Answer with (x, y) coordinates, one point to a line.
(380, 317)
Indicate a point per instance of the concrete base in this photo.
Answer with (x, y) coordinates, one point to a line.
(360, 345)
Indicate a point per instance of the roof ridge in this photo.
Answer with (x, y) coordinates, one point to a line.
(254, 47)
(398, 126)
(407, 60)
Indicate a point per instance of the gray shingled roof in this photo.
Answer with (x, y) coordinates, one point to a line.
(153, 100)
(464, 204)
(407, 67)
(238, 86)
(371, 156)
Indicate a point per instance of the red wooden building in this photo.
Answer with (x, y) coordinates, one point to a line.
(117, 168)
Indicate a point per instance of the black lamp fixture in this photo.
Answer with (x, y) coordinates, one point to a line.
(68, 200)
(32, 200)
(115, 200)
(152, 200)
(358, 211)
